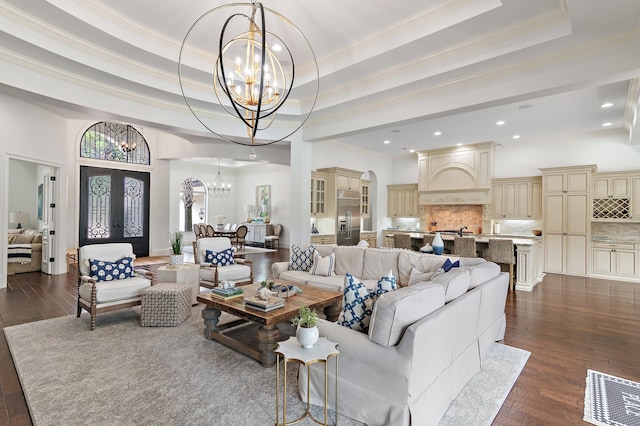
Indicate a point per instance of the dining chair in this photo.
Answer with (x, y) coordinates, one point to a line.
(239, 239)
(275, 238)
(211, 231)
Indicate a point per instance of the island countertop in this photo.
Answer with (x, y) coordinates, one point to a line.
(518, 240)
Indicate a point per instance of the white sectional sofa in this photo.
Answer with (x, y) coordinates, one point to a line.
(425, 341)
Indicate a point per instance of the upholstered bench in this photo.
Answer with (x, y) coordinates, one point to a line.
(165, 305)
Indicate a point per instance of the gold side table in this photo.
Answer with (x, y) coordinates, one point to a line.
(321, 352)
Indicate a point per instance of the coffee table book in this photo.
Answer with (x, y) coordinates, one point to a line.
(229, 297)
(264, 309)
(256, 302)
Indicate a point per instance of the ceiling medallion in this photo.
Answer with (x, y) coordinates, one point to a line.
(252, 75)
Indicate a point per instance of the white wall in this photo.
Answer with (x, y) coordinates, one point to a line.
(23, 191)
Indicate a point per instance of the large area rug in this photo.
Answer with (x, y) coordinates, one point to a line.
(125, 374)
(611, 400)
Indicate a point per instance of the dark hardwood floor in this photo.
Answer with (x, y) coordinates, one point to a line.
(569, 325)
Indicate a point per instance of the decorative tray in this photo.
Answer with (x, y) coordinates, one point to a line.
(284, 291)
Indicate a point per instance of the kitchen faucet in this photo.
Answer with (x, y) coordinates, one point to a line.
(461, 229)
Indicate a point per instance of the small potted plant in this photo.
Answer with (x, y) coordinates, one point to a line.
(307, 332)
(176, 258)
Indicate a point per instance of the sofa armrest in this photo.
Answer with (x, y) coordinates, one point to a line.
(278, 267)
(243, 261)
(144, 273)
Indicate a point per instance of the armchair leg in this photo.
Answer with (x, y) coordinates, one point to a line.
(79, 311)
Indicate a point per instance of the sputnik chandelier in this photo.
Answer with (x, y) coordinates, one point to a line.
(252, 75)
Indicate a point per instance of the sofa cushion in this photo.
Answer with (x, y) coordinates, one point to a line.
(37, 239)
(455, 282)
(298, 277)
(332, 283)
(235, 272)
(115, 290)
(22, 238)
(102, 270)
(325, 249)
(378, 262)
(10, 238)
(397, 310)
(481, 272)
(323, 265)
(421, 261)
(220, 258)
(301, 258)
(357, 305)
(349, 259)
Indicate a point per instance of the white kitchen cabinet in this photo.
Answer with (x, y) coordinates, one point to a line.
(318, 194)
(402, 200)
(618, 259)
(565, 219)
(323, 239)
(364, 198)
(519, 198)
(611, 187)
(345, 180)
(634, 213)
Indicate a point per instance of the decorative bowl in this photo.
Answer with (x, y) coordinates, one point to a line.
(537, 232)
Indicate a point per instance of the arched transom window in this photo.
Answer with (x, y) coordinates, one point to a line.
(114, 142)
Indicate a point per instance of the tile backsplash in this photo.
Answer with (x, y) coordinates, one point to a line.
(616, 231)
(453, 217)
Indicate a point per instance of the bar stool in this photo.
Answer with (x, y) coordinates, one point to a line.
(501, 252)
(402, 241)
(464, 246)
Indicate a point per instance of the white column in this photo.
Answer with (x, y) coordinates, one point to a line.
(299, 223)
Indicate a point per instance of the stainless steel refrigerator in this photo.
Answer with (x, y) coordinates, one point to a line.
(348, 218)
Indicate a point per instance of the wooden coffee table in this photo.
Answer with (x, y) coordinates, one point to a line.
(267, 336)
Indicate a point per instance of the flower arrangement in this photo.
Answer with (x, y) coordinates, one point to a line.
(220, 218)
(306, 318)
(175, 238)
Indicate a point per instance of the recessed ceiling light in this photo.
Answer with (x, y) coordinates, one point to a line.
(607, 124)
(515, 137)
(412, 150)
(500, 123)
(606, 105)
(276, 48)
(387, 142)
(438, 133)
(459, 144)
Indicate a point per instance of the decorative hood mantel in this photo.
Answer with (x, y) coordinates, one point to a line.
(460, 175)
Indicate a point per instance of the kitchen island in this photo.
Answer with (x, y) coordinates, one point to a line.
(528, 252)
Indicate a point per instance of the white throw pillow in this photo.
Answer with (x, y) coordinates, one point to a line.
(418, 276)
(323, 265)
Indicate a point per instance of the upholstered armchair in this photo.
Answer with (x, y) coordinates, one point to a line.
(107, 279)
(218, 263)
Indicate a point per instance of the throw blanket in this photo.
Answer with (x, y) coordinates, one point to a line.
(19, 253)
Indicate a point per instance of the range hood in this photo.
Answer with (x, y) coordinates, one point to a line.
(460, 175)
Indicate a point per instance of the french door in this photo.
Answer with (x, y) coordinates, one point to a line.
(114, 207)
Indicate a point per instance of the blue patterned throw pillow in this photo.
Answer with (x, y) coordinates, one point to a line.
(102, 270)
(448, 265)
(222, 258)
(385, 285)
(358, 305)
(301, 259)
